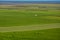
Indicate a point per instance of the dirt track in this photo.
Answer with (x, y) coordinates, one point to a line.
(29, 28)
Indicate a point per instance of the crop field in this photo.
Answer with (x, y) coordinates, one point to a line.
(30, 22)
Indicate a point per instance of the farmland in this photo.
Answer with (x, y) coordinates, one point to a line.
(18, 22)
(20, 18)
(24, 14)
(48, 34)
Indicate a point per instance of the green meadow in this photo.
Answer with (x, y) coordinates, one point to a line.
(30, 22)
(48, 34)
(23, 17)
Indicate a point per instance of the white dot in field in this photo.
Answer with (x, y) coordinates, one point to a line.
(35, 14)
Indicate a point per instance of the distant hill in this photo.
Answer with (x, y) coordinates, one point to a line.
(31, 2)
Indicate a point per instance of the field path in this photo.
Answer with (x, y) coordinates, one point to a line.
(29, 28)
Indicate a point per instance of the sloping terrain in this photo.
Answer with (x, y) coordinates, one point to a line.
(29, 28)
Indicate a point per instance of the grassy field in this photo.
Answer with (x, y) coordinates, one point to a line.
(48, 34)
(22, 17)
(20, 23)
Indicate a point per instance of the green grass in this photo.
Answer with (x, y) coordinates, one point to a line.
(22, 17)
(48, 34)
(26, 16)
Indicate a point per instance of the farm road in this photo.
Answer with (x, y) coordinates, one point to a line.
(30, 27)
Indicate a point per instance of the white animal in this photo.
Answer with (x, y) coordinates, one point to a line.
(35, 14)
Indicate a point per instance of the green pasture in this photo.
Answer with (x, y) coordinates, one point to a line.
(44, 26)
(23, 17)
(48, 34)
